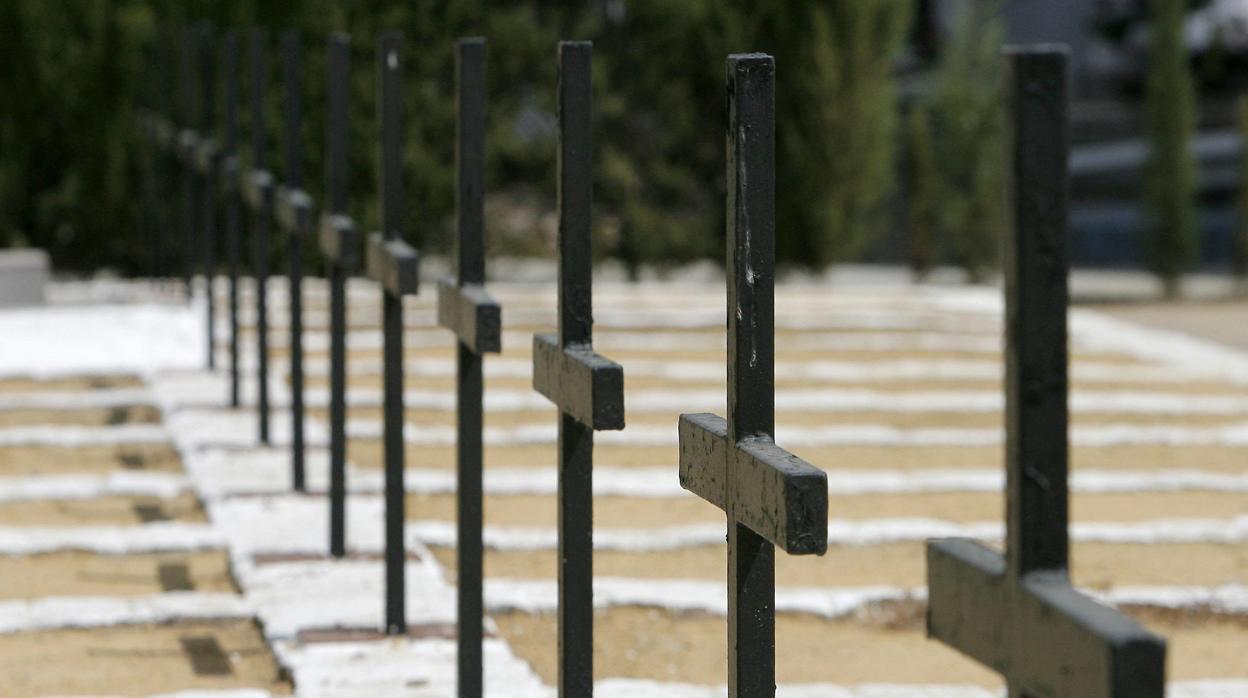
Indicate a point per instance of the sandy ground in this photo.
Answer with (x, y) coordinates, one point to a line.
(86, 574)
(138, 660)
(634, 512)
(53, 460)
(1094, 565)
(647, 643)
(131, 511)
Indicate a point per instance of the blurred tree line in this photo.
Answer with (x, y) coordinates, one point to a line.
(77, 73)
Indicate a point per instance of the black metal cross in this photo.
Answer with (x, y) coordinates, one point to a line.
(257, 188)
(229, 174)
(395, 265)
(771, 497)
(294, 214)
(187, 143)
(466, 309)
(340, 244)
(587, 388)
(206, 160)
(1018, 613)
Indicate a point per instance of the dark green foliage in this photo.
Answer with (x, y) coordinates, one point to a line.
(1170, 182)
(1239, 243)
(920, 178)
(967, 123)
(77, 74)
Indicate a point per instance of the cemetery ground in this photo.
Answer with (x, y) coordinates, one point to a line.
(150, 545)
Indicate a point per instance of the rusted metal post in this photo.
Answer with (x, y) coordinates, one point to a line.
(587, 388)
(294, 214)
(395, 266)
(257, 188)
(1018, 613)
(467, 310)
(771, 497)
(340, 243)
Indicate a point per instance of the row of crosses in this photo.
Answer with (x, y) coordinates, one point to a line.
(1016, 613)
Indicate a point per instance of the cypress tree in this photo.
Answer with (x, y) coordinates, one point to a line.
(922, 201)
(1170, 181)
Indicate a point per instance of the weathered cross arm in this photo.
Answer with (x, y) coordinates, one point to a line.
(294, 210)
(471, 314)
(1049, 639)
(228, 175)
(188, 146)
(339, 239)
(778, 495)
(584, 385)
(207, 157)
(394, 264)
(257, 188)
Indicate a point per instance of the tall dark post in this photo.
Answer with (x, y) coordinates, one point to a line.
(229, 185)
(187, 143)
(340, 244)
(1017, 613)
(258, 187)
(587, 388)
(207, 167)
(394, 265)
(771, 497)
(295, 215)
(466, 309)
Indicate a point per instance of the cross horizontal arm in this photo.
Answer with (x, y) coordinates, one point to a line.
(188, 144)
(340, 239)
(207, 156)
(1044, 636)
(586, 386)
(778, 495)
(257, 186)
(394, 264)
(471, 314)
(228, 174)
(294, 210)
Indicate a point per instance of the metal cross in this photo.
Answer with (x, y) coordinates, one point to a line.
(257, 188)
(188, 141)
(465, 309)
(395, 265)
(206, 162)
(294, 214)
(340, 244)
(229, 169)
(587, 388)
(771, 497)
(1018, 613)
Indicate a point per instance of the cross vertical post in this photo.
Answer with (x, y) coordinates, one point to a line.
(770, 496)
(187, 141)
(206, 163)
(258, 190)
(395, 266)
(1018, 614)
(340, 244)
(229, 173)
(587, 388)
(294, 213)
(466, 309)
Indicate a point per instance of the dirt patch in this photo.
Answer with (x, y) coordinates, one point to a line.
(103, 511)
(649, 643)
(91, 416)
(139, 660)
(68, 383)
(88, 574)
(366, 453)
(634, 512)
(1095, 565)
(55, 460)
